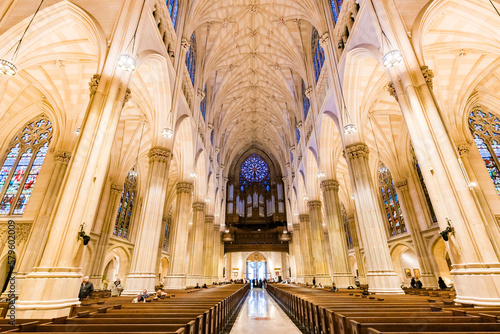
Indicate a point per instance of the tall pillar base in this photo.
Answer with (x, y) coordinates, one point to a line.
(384, 282)
(324, 279)
(49, 294)
(96, 281)
(429, 281)
(308, 279)
(343, 280)
(477, 284)
(192, 280)
(136, 282)
(176, 281)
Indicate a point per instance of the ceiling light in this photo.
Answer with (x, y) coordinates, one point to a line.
(352, 196)
(127, 62)
(217, 215)
(190, 223)
(383, 169)
(207, 200)
(227, 230)
(392, 58)
(167, 132)
(193, 175)
(7, 67)
(305, 197)
(472, 184)
(349, 129)
(321, 174)
(285, 232)
(133, 172)
(77, 131)
(295, 213)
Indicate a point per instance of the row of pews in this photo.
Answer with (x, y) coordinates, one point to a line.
(346, 312)
(204, 311)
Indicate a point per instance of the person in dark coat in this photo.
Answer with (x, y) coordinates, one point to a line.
(442, 284)
(418, 283)
(86, 288)
(412, 283)
(314, 281)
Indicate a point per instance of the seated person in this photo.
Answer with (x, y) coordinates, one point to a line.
(145, 294)
(204, 286)
(334, 288)
(138, 299)
(160, 294)
(197, 286)
(320, 286)
(116, 288)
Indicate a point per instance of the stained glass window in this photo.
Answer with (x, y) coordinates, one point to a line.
(305, 100)
(173, 10)
(203, 103)
(390, 200)
(122, 221)
(424, 188)
(297, 133)
(485, 128)
(318, 54)
(350, 245)
(336, 5)
(166, 236)
(191, 58)
(22, 165)
(255, 170)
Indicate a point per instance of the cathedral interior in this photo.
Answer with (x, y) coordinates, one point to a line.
(180, 142)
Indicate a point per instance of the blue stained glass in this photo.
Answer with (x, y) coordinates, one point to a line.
(305, 100)
(335, 11)
(191, 58)
(7, 165)
(255, 170)
(173, 10)
(297, 132)
(203, 103)
(15, 182)
(318, 54)
(124, 215)
(395, 220)
(339, 4)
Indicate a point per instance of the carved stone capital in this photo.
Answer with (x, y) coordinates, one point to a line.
(299, 125)
(401, 184)
(304, 218)
(159, 154)
(94, 82)
(184, 187)
(296, 227)
(201, 94)
(62, 156)
(185, 43)
(128, 96)
(309, 92)
(216, 228)
(350, 218)
(116, 188)
(209, 219)
(329, 185)
(463, 149)
(314, 205)
(199, 206)
(324, 39)
(392, 90)
(428, 75)
(356, 151)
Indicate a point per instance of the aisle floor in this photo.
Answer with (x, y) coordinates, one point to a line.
(261, 314)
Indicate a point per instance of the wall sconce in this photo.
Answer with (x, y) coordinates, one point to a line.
(449, 230)
(81, 234)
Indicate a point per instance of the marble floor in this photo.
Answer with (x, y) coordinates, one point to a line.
(261, 314)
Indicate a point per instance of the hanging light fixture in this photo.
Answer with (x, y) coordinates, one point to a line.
(7, 67)
(305, 197)
(207, 200)
(127, 61)
(134, 171)
(382, 168)
(167, 132)
(321, 174)
(193, 175)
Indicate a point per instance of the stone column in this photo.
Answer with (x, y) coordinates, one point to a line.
(357, 250)
(177, 276)
(41, 225)
(142, 273)
(342, 275)
(208, 249)
(318, 240)
(106, 232)
(405, 200)
(305, 248)
(380, 274)
(216, 253)
(297, 253)
(196, 251)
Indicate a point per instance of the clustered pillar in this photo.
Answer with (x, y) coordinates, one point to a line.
(197, 233)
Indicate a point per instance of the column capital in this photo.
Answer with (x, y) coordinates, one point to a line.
(314, 205)
(201, 94)
(304, 218)
(128, 96)
(350, 218)
(62, 156)
(296, 227)
(216, 228)
(116, 188)
(428, 75)
(184, 187)
(94, 82)
(185, 43)
(159, 154)
(401, 184)
(309, 92)
(324, 39)
(209, 219)
(329, 185)
(392, 91)
(463, 149)
(358, 150)
(198, 206)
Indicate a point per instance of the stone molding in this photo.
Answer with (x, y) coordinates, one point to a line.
(463, 149)
(159, 154)
(128, 96)
(401, 184)
(329, 185)
(209, 219)
(314, 205)
(184, 187)
(392, 91)
(324, 39)
(216, 228)
(428, 76)
(296, 227)
(94, 83)
(358, 150)
(304, 218)
(116, 188)
(62, 156)
(201, 94)
(309, 92)
(185, 43)
(199, 206)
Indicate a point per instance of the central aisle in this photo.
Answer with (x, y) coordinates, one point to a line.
(261, 314)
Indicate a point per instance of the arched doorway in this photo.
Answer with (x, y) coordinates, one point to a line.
(442, 259)
(256, 266)
(164, 264)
